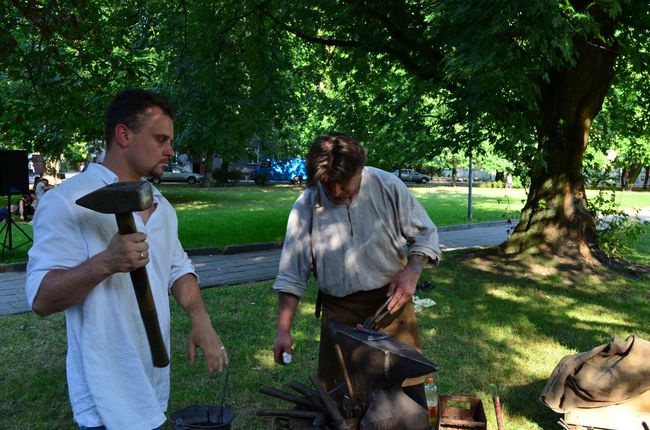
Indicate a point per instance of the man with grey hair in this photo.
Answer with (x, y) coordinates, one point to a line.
(365, 238)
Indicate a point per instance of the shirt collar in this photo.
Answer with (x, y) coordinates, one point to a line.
(108, 177)
(105, 175)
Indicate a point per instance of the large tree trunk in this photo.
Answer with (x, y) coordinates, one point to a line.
(555, 218)
(647, 176)
(207, 179)
(51, 169)
(632, 172)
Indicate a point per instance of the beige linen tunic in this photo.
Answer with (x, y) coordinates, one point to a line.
(354, 252)
(358, 247)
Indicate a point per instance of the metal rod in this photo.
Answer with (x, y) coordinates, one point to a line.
(223, 395)
(469, 183)
(331, 409)
(266, 412)
(497, 410)
(284, 396)
(310, 394)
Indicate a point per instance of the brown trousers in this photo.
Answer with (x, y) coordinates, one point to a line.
(352, 310)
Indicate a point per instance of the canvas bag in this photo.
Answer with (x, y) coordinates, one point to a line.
(606, 375)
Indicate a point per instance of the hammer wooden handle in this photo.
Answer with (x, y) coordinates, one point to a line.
(142, 289)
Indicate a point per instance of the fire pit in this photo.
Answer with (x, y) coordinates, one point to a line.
(374, 365)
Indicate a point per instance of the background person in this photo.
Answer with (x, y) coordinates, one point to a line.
(41, 187)
(366, 237)
(37, 179)
(6, 214)
(79, 264)
(25, 207)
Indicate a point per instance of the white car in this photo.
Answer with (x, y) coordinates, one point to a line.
(410, 175)
(174, 173)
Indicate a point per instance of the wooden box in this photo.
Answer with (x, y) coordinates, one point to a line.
(461, 412)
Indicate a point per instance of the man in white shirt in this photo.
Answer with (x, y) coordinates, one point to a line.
(364, 237)
(80, 264)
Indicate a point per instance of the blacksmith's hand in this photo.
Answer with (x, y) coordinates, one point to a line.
(404, 283)
(283, 343)
(402, 287)
(204, 336)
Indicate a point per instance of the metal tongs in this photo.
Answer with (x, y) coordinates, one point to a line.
(372, 322)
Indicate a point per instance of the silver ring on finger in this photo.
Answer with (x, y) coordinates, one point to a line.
(142, 256)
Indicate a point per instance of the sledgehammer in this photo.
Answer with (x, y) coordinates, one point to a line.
(121, 199)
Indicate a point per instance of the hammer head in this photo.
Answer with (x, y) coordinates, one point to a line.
(120, 197)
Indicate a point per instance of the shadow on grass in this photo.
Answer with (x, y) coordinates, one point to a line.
(493, 324)
(497, 322)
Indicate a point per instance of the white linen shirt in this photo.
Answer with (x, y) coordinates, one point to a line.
(359, 247)
(111, 378)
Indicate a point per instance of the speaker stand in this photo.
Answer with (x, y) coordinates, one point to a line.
(7, 226)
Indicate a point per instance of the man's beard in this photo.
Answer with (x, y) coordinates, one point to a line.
(155, 173)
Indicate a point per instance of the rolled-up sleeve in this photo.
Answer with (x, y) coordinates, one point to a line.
(181, 264)
(419, 231)
(296, 258)
(58, 242)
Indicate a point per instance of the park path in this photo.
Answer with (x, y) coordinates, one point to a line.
(219, 270)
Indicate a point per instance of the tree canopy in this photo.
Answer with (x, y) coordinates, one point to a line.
(412, 79)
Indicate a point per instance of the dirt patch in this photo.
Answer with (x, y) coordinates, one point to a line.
(540, 267)
(536, 267)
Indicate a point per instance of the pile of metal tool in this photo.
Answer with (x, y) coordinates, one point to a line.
(374, 366)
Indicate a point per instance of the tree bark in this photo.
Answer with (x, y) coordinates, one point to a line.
(632, 172)
(207, 180)
(555, 218)
(647, 176)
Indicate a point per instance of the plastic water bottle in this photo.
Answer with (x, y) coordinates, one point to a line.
(431, 393)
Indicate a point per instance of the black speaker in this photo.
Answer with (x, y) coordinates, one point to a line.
(14, 176)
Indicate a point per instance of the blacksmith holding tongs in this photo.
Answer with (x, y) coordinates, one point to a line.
(367, 240)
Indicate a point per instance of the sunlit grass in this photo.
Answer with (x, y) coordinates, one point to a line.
(216, 217)
(486, 328)
(641, 250)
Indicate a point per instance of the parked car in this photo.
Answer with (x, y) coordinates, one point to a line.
(293, 170)
(173, 173)
(410, 175)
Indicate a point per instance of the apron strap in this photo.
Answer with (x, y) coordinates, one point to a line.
(319, 304)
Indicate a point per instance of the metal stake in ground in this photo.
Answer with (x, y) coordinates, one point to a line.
(223, 395)
(121, 199)
(497, 406)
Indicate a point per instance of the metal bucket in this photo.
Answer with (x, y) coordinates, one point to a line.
(203, 417)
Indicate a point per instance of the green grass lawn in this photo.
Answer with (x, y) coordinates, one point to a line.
(504, 328)
(640, 251)
(507, 329)
(216, 217)
(246, 215)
